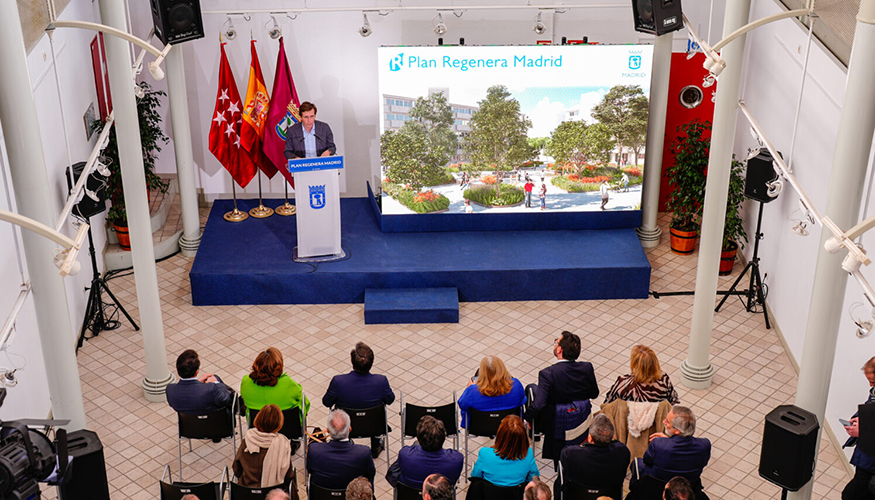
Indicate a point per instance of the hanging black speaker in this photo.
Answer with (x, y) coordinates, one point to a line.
(96, 185)
(760, 172)
(789, 443)
(177, 20)
(657, 17)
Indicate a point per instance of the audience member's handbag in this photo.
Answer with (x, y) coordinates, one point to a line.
(316, 435)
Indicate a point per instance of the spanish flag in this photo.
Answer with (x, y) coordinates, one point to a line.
(255, 116)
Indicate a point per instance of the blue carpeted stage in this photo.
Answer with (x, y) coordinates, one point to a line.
(250, 262)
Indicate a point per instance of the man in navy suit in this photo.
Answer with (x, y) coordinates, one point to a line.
(309, 138)
(599, 463)
(335, 463)
(566, 381)
(415, 463)
(360, 389)
(197, 393)
(675, 452)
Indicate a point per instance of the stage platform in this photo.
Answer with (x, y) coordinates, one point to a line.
(250, 262)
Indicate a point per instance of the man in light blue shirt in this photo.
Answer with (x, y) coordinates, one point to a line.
(309, 138)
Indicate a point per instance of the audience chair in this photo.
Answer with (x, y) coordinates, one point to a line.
(481, 489)
(577, 491)
(485, 424)
(292, 426)
(448, 414)
(368, 423)
(238, 492)
(316, 492)
(535, 427)
(204, 491)
(650, 487)
(404, 492)
(215, 426)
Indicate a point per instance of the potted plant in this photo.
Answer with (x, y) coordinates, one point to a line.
(733, 225)
(151, 137)
(687, 180)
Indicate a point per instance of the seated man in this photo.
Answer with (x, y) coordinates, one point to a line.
(416, 462)
(197, 393)
(359, 489)
(277, 494)
(536, 490)
(437, 487)
(678, 489)
(360, 389)
(600, 462)
(335, 464)
(675, 452)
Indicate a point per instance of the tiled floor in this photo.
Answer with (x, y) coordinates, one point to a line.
(428, 362)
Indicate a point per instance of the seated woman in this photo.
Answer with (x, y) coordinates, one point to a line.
(492, 389)
(646, 383)
(264, 457)
(267, 384)
(510, 462)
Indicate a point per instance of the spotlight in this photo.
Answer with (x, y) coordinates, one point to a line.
(864, 326)
(274, 31)
(102, 162)
(91, 194)
(365, 30)
(440, 28)
(229, 32)
(139, 92)
(156, 71)
(709, 81)
(851, 263)
(774, 188)
(801, 228)
(539, 27)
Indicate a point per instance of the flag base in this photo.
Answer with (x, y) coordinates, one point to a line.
(236, 216)
(286, 209)
(261, 212)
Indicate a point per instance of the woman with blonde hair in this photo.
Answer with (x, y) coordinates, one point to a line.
(492, 388)
(264, 456)
(646, 383)
(510, 461)
(268, 384)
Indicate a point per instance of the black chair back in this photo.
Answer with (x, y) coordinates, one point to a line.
(485, 423)
(216, 425)
(291, 423)
(239, 492)
(481, 489)
(368, 422)
(316, 492)
(204, 491)
(575, 491)
(404, 492)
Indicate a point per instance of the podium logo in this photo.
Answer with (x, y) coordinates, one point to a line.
(396, 62)
(634, 62)
(317, 197)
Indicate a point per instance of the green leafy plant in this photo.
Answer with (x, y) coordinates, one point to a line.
(733, 226)
(486, 195)
(421, 203)
(687, 175)
(151, 138)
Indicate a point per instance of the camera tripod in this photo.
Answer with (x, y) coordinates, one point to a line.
(99, 315)
(754, 292)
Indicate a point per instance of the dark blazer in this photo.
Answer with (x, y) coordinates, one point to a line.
(358, 391)
(415, 464)
(193, 397)
(335, 464)
(295, 140)
(562, 382)
(595, 465)
(673, 456)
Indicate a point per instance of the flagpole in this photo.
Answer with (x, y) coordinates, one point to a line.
(235, 215)
(260, 211)
(287, 208)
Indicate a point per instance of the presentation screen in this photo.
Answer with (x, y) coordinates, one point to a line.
(512, 128)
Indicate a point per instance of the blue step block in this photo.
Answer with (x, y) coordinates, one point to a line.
(411, 305)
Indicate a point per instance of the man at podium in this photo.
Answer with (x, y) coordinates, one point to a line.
(309, 138)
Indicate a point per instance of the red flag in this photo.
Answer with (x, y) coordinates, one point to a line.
(254, 116)
(225, 130)
(283, 114)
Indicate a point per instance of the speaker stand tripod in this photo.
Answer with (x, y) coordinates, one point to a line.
(96, 317)
(754, 292)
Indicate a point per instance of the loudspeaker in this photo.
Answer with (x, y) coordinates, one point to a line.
(96, 183)
(88, 468)
(789, 443)
(760, 172)
(657, 17)
(177, 20)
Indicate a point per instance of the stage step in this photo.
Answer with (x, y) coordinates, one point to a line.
(411, 305)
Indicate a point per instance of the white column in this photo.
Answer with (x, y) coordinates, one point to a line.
(850, 161)
(649, 231)
(112, 13)
(191, 225)
(696, 370)
(27, 167)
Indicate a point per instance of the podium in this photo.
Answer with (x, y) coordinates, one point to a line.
(317, 200)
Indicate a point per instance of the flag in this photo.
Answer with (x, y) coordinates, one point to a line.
(254, 116)
(283, 114)
(225, 130)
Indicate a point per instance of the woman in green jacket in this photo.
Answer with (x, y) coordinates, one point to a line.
(267, 384)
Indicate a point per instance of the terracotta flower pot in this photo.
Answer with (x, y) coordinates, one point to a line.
(727, 258)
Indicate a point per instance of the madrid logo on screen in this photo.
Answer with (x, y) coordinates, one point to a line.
(634, 62)
(317, 197)
(396, 62)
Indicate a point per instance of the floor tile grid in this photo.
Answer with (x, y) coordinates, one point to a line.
(428, 361)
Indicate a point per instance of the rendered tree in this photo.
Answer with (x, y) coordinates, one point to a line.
(538, 144)
(624, 110)
(417, 152)
(577, 143)
(498, 137)
(637, 125)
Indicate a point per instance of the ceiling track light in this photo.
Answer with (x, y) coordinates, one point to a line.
(864, 326)
(139, 93)
(539, 27)
(440, 27)
(228, 29)
(274, 31)
(365, 30)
